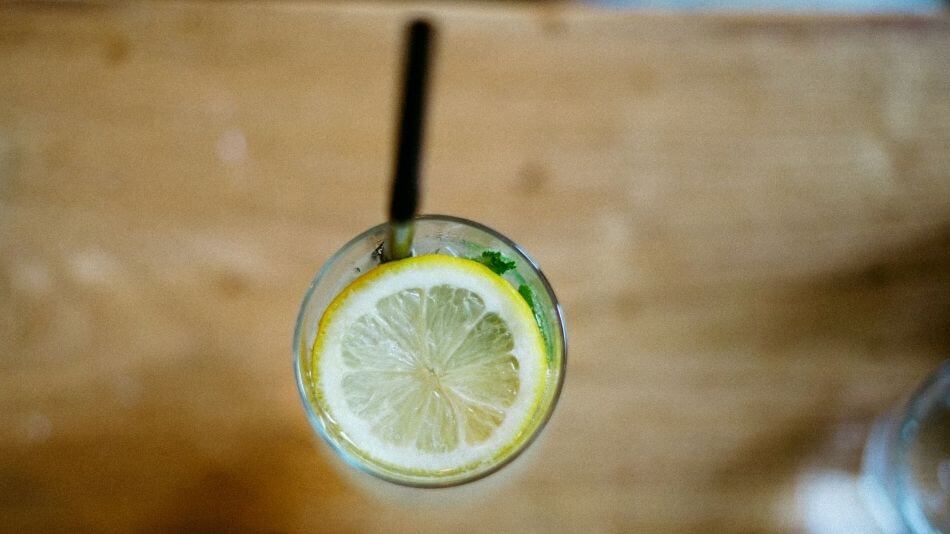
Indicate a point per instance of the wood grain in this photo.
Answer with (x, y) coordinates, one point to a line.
(747, 219)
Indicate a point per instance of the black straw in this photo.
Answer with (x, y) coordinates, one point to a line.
(405, 191)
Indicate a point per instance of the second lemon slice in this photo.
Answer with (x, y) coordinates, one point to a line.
(430, 364)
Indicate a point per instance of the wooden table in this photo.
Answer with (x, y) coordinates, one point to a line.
(747, 219)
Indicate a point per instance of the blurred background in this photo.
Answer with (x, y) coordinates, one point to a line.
(744, 208)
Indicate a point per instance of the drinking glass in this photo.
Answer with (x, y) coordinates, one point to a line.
(433, 234)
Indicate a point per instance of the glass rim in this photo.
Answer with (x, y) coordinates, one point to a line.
(315, 420)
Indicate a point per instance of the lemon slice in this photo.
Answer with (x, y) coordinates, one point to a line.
(430, 365)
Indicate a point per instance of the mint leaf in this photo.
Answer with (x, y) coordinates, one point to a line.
(496, 261)
(528, 294)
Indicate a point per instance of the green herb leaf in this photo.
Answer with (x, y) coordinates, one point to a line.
(496, 261)
(528, 294)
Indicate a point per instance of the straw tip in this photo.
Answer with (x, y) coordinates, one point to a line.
(420, 26)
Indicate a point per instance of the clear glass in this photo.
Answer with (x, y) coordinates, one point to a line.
(907, 461)
(434, 234)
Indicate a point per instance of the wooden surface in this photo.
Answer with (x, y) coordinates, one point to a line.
(747, 220)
